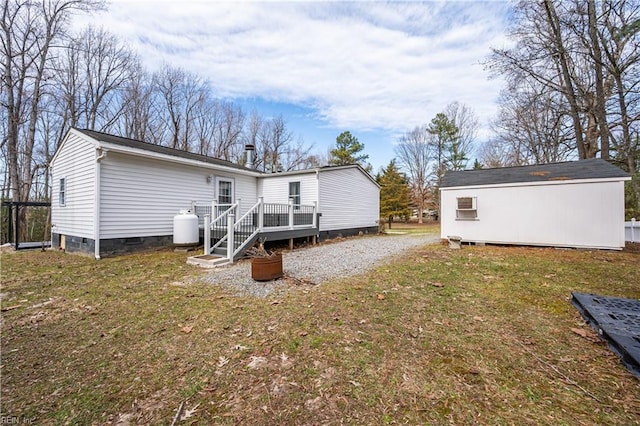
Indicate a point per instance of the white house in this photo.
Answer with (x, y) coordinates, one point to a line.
(113, 195)
(348, 197)
(574, 204)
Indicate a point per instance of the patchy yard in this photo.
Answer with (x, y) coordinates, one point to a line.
(482, 335)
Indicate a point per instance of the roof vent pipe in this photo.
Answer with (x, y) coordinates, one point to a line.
(250, 150)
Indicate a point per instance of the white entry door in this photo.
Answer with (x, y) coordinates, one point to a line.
(224, 194)
(225, 191)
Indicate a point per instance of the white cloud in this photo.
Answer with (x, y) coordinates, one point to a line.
(361, 65)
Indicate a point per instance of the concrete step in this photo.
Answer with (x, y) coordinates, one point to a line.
(208, 260)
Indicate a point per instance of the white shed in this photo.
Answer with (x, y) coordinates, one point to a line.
(112, 194)
(574, 204)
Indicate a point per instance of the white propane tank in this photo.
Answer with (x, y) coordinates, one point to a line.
(185, 229)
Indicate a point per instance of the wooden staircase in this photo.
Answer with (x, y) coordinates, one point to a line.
(226, 239)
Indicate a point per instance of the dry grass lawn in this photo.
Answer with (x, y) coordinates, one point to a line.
(483, 335)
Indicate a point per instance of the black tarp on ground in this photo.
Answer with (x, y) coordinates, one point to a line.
(616, 320)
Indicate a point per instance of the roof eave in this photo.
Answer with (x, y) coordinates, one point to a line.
(174, 159)
(538, 183)
(321, 170)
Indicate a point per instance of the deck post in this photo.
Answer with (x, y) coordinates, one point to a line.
(231, 220)
(290, 213)
(207, 234)
(260, 213)
(315, 216)
(214, 210)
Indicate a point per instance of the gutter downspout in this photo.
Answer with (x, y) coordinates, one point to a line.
(317, 212)
(100, 154)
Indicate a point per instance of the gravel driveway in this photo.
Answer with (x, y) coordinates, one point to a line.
(320, 263)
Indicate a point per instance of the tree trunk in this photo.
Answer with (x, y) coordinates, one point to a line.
(599, 104)
(568, 89)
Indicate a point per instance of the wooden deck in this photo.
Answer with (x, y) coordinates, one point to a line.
(230, 234)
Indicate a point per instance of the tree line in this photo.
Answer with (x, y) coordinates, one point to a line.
(54, 79)
(573, 87)
(572, 92)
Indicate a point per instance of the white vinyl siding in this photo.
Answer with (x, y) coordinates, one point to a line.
(294, 193)
(140, 197)
(348, 199)
(61, 192)
(75, 163)
(245, 190)
(572, 214)
(275, 189)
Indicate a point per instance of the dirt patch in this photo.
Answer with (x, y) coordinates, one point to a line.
(632, 247)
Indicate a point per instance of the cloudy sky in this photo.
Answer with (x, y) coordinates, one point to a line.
(377, 69)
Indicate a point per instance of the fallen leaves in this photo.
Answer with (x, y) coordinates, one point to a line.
(587, 334)
(257, 362)
(240, 348)
(188, 413)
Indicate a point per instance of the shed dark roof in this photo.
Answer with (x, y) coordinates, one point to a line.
(595, 168)
(132, 143)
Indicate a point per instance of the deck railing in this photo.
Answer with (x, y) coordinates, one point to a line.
(217, 229)
(237, 233)
(289, 215)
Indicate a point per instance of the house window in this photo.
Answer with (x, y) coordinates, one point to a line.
(62, 194)
(225, 191)
(467, 208)
(294, 193)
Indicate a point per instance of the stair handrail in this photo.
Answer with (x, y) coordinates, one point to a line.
(208, 227)
(224, 213)
(249, 211)
(252, 210)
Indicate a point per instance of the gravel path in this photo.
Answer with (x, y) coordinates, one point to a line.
(318, 264)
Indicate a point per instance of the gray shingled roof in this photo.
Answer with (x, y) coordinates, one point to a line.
(132, 143)
(584, 169)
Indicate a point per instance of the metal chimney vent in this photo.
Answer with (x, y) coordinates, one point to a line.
(250, 150)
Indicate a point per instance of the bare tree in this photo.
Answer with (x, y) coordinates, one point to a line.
(575, 49)
(273, 143)
(137, 119)
(107, 66)
(167, 83)
(29, 32)
(251, 136)
(496, 153)
(298, 156)
(205, 125)
(92, 75)
(533, 127)
(466, 123)
(415, 153)
(228, 131)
